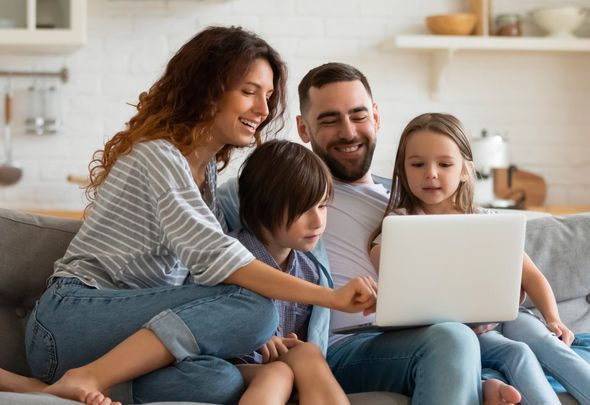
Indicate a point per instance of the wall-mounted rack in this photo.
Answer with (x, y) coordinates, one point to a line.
(62, 74)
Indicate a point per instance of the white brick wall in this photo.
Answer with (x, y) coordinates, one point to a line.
(540, 100)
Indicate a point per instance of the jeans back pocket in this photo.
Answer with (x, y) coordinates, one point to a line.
(40, 349)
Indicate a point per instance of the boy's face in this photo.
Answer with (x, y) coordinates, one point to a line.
(305, 232)
(341, 124)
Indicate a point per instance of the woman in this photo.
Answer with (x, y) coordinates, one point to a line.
(151, 284)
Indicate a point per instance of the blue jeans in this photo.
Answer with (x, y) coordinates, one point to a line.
(518, 363)
(557, 359)
(439, 364)
(73, 324)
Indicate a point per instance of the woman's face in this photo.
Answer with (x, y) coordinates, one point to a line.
(243, 108)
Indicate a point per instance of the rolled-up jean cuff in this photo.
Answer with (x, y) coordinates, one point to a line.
(174, 334)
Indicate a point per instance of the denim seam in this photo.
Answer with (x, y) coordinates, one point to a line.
(112, 298)
(552, 372)
(497, 365)
(51, 351)
(191, 304)
(372, 359)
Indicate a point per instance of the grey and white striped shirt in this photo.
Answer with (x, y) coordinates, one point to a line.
(150, 227)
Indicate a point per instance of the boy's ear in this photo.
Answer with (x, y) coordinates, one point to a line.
(468, 171)
(302, 129)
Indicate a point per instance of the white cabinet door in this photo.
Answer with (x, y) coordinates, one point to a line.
(42, 26)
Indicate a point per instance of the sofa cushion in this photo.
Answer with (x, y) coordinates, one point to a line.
(560, 247)
(29, 245)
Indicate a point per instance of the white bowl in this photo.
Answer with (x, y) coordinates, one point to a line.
(559, 21)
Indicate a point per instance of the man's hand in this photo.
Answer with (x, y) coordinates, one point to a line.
(561, 331)
(359, 294)
(277, 346)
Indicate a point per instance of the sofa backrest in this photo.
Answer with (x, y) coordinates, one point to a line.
(29, 245)
(560, 247)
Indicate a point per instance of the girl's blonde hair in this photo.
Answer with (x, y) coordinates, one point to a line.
(401, 198)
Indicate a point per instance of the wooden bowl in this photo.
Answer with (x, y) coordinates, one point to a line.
(451, 24)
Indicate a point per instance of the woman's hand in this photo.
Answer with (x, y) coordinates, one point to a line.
(277, 346)
(561, 331)
(359, 294)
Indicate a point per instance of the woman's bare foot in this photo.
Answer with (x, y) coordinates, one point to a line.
(495, 392)
(79, 386)
(12, 382)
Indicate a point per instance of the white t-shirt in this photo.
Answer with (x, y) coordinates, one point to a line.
(353, 215)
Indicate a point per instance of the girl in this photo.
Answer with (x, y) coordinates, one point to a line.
(434, 174)
(118, 307)
(283, 192)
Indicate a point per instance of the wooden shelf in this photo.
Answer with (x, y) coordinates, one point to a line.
(444, 48)
(456, 43)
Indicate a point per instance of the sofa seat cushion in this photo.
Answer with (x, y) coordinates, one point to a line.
(29, 245)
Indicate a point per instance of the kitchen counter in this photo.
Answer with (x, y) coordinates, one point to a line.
(561, 209)
(58, 213)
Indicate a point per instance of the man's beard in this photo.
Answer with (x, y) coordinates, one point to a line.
(344, 172)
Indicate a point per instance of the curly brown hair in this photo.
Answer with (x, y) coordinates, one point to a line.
(181, 105)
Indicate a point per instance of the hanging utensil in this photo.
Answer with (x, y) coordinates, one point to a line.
(10, 172)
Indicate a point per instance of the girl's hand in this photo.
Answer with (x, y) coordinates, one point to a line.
(561, 331)
(359, 294)
(277, 346)
(484, 328)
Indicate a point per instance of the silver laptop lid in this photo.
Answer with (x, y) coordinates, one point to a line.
(436, 268)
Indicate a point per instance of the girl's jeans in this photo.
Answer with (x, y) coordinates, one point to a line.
(518, 363)
(73, 324)
(557, 359)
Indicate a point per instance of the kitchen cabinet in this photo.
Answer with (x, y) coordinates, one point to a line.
(42, 26)
(444, 48)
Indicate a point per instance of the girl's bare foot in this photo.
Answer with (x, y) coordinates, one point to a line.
(495, 392)
(79, 386)
(12, 382)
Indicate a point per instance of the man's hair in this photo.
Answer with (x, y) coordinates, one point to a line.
(279, 182)
(332, 72)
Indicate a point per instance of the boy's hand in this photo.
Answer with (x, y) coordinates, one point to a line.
(277, 346)
(561, 331)
(359, 294)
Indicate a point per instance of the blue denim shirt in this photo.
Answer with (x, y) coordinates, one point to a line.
(319, 322)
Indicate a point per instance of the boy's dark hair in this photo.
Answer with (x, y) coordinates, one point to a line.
(327, 73)
(279, 182)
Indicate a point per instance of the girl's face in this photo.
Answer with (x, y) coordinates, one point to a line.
(304, 233)
(243, 108)
(434, 169)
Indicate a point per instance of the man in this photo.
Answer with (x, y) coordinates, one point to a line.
(439, 364)
(436, 364)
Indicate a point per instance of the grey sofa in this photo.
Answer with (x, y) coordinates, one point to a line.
(29, 244)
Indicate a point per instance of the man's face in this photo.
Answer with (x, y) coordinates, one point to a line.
(341, 122)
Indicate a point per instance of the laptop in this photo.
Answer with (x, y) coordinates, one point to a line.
(438, 268)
